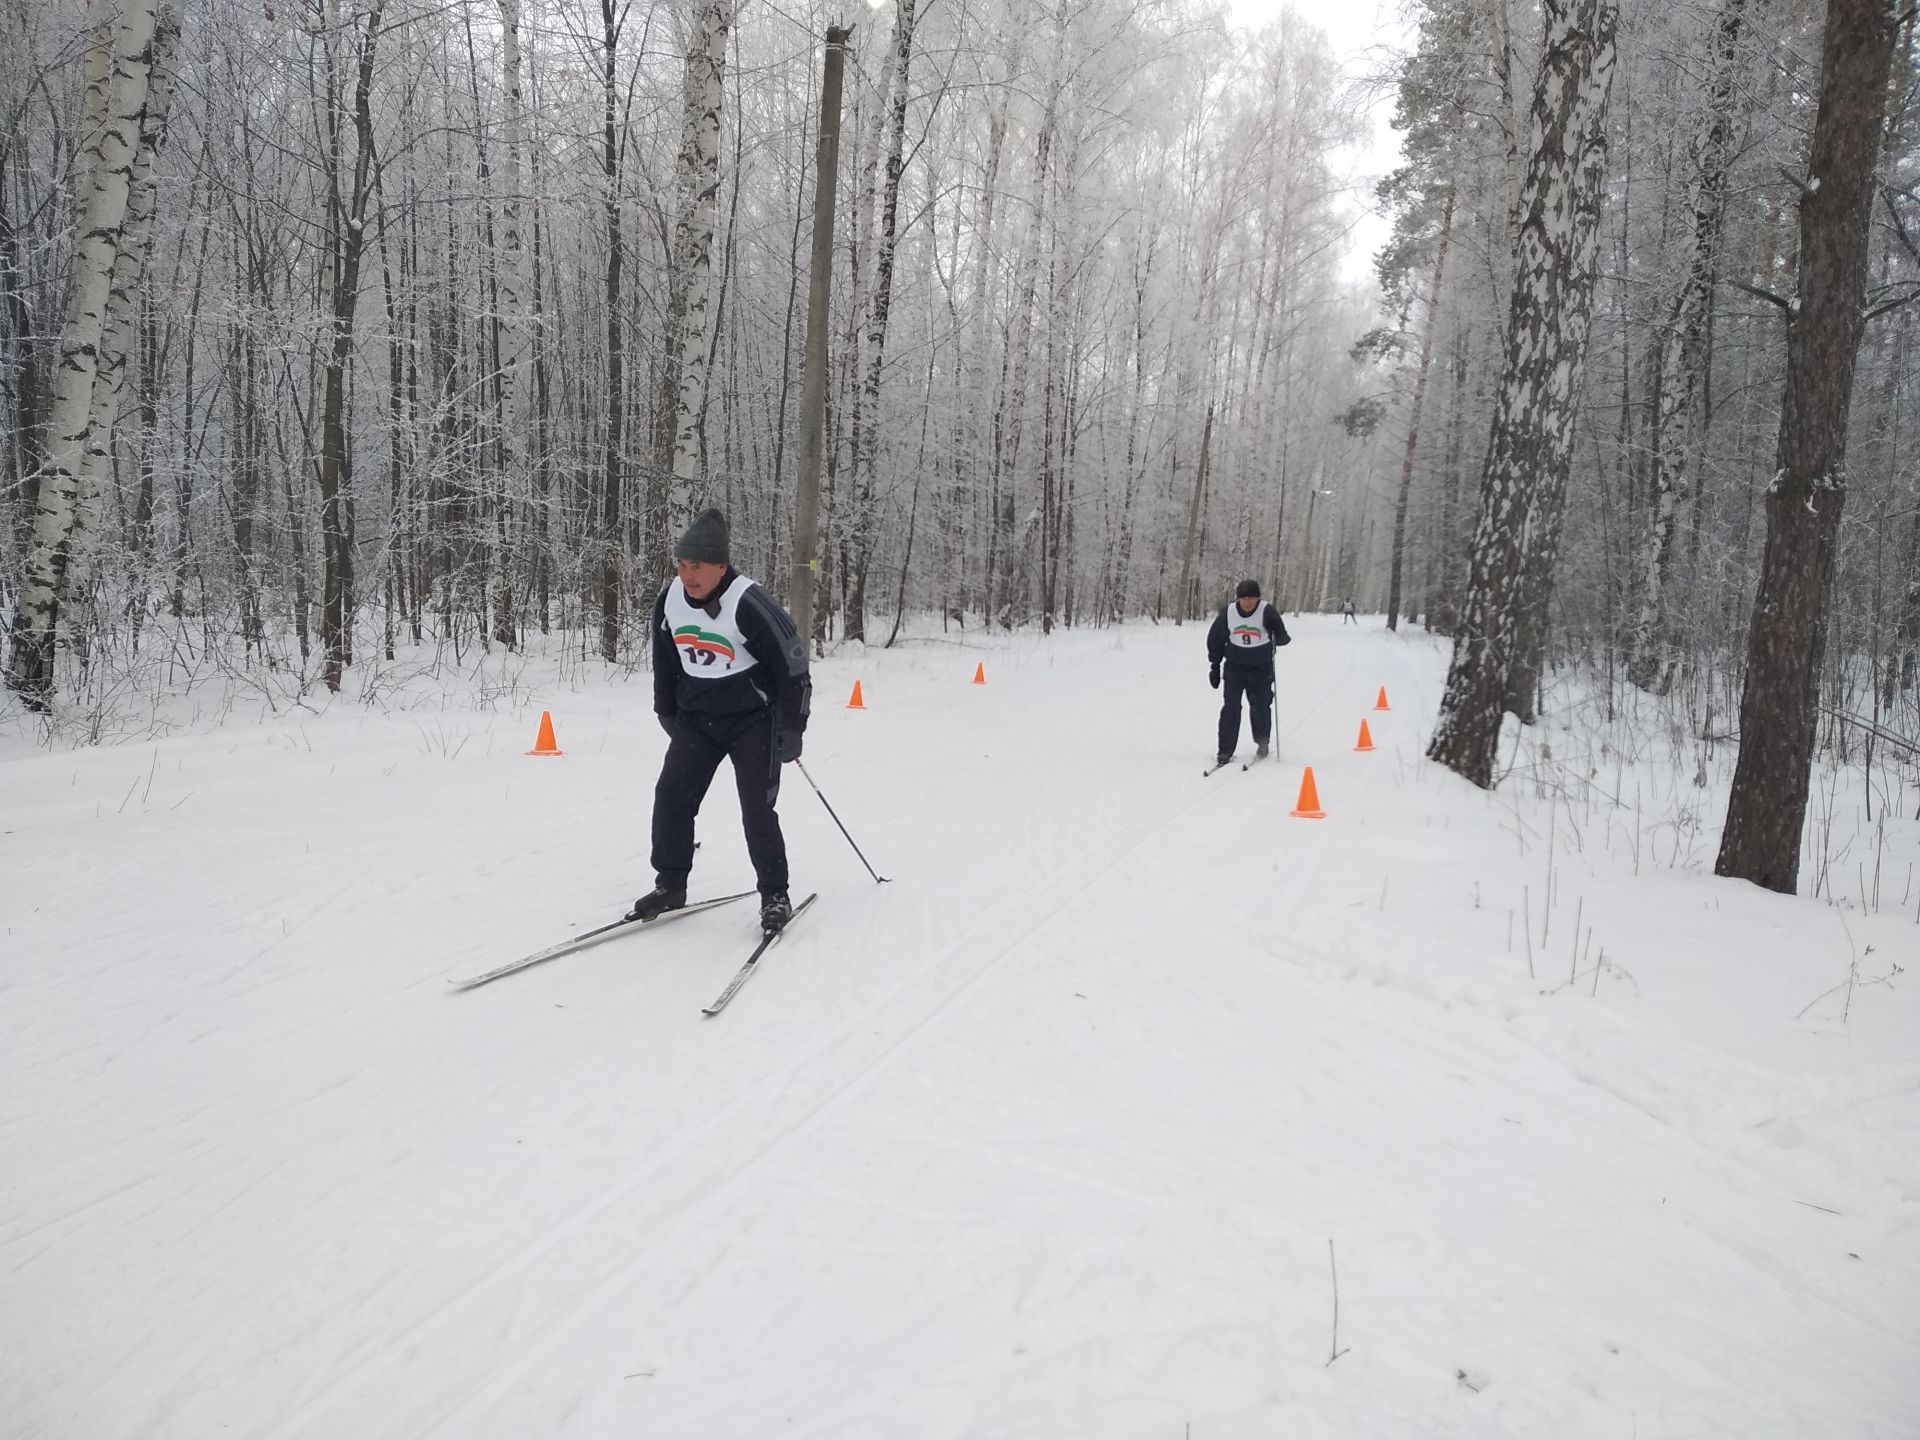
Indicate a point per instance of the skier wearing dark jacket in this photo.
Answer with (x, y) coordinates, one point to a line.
(729, 683)
(1240, 644)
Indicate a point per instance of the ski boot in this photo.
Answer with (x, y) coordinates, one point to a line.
(775, 911)
(656, 903)
(1260, 750)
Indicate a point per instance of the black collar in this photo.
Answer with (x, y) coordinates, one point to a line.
(712, 603)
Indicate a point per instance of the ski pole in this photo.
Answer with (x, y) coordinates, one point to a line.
(878, 878)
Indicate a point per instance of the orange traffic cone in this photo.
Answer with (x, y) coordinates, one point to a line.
(1381, 703)
(1307, 807)
(856, 703)
(543, 743)
(980, 673)
(1365, 742)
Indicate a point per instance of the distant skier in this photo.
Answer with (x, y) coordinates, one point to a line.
(729, 682)
(1241, 642)
(1346, 612)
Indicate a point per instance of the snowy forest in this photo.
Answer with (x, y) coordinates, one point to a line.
(434, 322)
(1332, 848)
(335, 329)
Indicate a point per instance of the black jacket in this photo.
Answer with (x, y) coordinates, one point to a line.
(778, 682)
(1246, 657)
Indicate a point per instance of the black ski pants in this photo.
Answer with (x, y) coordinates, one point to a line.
(697, 746)
(1257, 686)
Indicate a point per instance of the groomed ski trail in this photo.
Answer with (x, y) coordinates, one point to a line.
(731, 1184)
(683, 1192)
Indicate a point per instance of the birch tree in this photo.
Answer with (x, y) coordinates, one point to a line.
(509, 331)
(1413, 412)
(111, 155)
(697, 188)
(879, 306)
(1682, 356)
(613, 399)
(1531, 445)
(120, 326)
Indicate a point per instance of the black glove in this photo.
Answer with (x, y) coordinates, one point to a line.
(786, 746)
(1213, 675)
(666, 722)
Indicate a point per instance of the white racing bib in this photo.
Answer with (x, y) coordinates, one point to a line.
(1245, 632)
(709, 646)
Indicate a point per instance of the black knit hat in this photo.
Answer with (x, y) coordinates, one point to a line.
(1247, 590)
(705, 542)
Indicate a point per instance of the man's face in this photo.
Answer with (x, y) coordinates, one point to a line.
(1247, 603)
(699, 578)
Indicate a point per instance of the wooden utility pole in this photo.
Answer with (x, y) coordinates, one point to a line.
(813, 390)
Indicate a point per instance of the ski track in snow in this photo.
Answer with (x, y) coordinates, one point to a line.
(1026, 915)
(723, 1177)
(1047, 1138)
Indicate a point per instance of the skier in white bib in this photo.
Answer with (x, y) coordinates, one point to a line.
(1242, 639)
(729, 683)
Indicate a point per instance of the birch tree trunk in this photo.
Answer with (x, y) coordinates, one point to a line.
(1904, 659)
(1541, 551)
(1779, 706)
(245, 400)
(697, 189)
(972, 425)
(111, 155)
(1413, 417)
(509, 337)
(28, 381)
(880, 301)
(1062, 377)
(540, 447)
(1010, 417)
(1532, 438)
(120, 331)
(870, 112)
(1682, 360)
(611, 476)
(1120, 578)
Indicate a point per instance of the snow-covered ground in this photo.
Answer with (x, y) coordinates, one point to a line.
(1063, 1133)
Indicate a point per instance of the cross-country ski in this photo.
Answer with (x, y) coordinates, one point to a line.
(753, 961)
(627, 926)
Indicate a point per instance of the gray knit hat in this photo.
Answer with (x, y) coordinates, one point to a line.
(705, 542)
